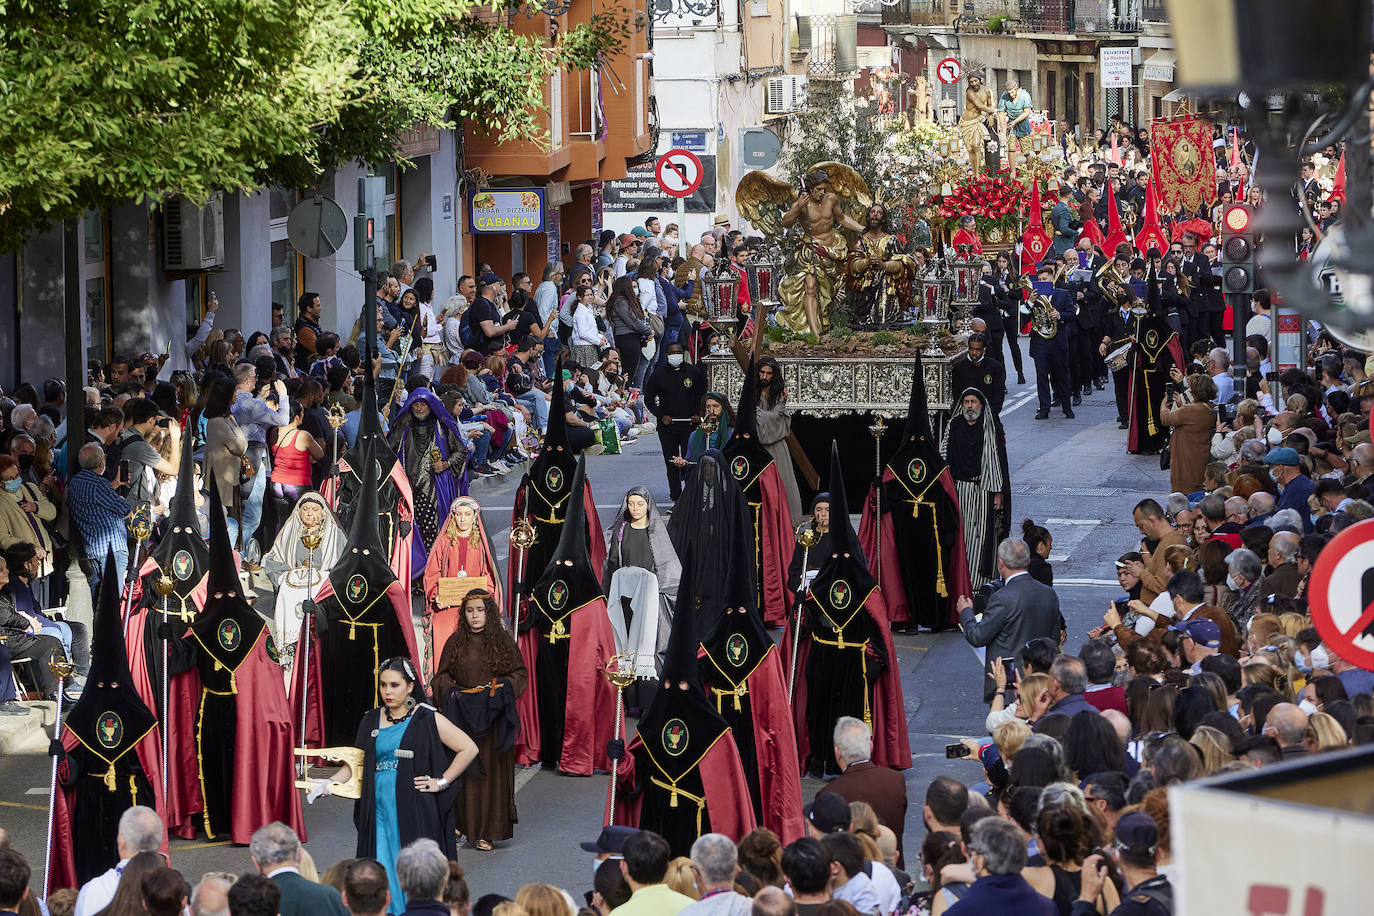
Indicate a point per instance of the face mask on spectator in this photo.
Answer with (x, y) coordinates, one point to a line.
(675, 359)
(12, 485)
(1274, 436)
(1308, 707)
(1231, 583)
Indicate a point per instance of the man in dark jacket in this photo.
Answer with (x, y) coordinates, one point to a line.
(673, 395)
(276, 851)
(861, 780)
(1021, 610)
(997, 854)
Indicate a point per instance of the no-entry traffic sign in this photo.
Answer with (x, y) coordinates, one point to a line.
(1340, 594)
(949, 70)
(678, 172)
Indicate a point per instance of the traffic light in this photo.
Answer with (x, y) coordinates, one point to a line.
(1238, 250)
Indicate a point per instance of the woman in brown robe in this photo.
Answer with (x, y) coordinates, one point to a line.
(479, 676)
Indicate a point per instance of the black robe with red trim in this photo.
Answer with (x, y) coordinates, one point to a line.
(772, 536)
(680, 797)
(543, 502)
(344, 658)
(394, 520)
(858, 678)
(748, 688)
(568, 710)
(924, 564)
(104, 773)
(243, 728)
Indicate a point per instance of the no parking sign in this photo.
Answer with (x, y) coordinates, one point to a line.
(1341, 594)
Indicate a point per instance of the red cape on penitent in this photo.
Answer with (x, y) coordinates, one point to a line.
(891, 746)
(890, 582)
(400, 551)
(314, 714)
(722, 780)
(776, 541)
(775, 747)
(63, 870)
(589, 710)
(183, 801)
(264, 765)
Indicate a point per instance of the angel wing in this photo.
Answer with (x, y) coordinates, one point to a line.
(762, 200)
(850, 187)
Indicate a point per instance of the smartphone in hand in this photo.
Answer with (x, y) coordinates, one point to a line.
(955, 751)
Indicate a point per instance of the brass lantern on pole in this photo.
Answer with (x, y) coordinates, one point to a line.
(720, 297)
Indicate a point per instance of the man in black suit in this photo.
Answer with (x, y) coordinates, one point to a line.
(1307, 184)
(861, 780)
(1052, 355)
(276, 851)
(1021, 610)
(1198, 270)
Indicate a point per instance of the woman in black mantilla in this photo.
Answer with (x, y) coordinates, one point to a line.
(412, 758)
(479, 676)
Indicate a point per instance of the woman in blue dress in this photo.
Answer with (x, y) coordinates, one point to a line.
(412, 759)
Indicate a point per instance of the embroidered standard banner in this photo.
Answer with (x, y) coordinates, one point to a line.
(1183, 163)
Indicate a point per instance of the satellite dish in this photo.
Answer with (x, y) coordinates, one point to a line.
(317, 227)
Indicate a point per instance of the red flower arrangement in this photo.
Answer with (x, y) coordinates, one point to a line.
(993, 201)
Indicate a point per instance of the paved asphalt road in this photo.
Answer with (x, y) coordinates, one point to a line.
(1073, 476)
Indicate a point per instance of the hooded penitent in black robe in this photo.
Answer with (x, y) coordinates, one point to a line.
(848, 664)
(923, 567)
(392, 499)
(681, 776)
(109, 760)
(359, 623)
(1154, 351)
(543, 498)
(565, 639)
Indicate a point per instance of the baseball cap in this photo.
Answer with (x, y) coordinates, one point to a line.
(828, 813)
(1203, 631)
(639, 232)
(1137, 834)
(488, 279)
(1282, 455)
(612, 839)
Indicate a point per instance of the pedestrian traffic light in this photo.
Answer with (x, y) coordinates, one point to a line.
(1238, 250)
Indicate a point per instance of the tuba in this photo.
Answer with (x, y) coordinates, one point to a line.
(1042, 317)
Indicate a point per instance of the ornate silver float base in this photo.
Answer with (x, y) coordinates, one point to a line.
(834, 386)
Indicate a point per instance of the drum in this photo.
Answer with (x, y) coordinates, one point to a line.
(1116, 358)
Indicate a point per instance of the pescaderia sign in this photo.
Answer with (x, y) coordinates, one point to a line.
(505, 210)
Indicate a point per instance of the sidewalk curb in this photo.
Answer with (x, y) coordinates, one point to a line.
(30, 733)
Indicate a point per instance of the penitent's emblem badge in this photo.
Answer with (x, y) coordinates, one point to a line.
(229, 635)
(109, 729)
(558, 595)
(736, 649)
(739, 467)
(554, 479)
(675, 737)
(357, 588)
(182, 564)
(272, 652)
(840, 595)
(1151, 339)
(916, 470)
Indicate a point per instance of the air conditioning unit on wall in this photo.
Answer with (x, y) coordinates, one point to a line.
(786, 94)
(192, 236)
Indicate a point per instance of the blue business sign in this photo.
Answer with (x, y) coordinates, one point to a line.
(506, 210)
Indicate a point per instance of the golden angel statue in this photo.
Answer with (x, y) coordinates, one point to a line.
(835, 197)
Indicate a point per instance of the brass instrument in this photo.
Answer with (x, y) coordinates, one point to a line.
(1043, 320)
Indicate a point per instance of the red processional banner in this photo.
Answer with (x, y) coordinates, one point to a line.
(1183, 164)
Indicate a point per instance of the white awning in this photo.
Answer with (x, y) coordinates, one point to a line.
(1159, 66)
(1177, 95)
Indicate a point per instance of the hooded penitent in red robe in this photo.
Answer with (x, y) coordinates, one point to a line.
(743, 673)
(752, 466)
(110, 754)
(682, 775)
(845, 636)
(542, 499)
(357, 621)
(243, 724)
(567, 714)
(922, 567)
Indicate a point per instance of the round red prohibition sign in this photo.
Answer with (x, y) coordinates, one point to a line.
(1341, 594)
(678, 172)
(949, 70)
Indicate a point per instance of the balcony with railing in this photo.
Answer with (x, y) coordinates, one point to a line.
(1074, 17)
(919, 12)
